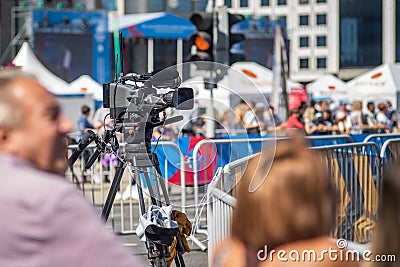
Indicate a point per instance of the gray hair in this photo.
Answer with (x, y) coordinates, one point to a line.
(10, 110)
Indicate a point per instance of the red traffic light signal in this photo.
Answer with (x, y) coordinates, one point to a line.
(203, 38)
(202, 41)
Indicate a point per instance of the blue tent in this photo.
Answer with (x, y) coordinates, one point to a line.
(160, 25)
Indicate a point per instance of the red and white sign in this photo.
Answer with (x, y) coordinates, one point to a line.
(297, 95)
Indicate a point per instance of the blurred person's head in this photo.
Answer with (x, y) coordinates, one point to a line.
(382, 107)
(357, 106)
(294, 112)
(371, 106)
(271, 110)
(326, 114)
(226, 116)
(309, 114)
(293, 200)
(386, 239)
(85, 110)
(259, 109)
(324, 105)
(340, 116)
(31, 125)
(312, 103)
(389, 104)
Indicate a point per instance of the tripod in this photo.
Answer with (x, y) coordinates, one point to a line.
(158, 239)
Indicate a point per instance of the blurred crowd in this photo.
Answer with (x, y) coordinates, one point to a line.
(317, 118)
(320, 117)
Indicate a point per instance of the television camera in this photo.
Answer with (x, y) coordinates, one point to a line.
(136, 101)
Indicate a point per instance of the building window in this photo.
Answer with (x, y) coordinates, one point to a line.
(321, 40)
(281, 2)
(321, 1)
(360, 23)
(244, 3)
(321, 63)
(303, 20)
(264, 2)
(321, 19)
(303, 41)
(303, 63)
(303, 2)
(228, 3)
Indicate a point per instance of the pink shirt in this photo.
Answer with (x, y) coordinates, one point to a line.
(293, 122)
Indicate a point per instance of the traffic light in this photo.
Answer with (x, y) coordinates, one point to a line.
(203, 38)
(236, 52)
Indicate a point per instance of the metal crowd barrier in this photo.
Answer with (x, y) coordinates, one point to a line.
(390, 151)
(221, 201)
(380, 139)
(355, 170)
(124, 215)
(325, 140)
(236, 149)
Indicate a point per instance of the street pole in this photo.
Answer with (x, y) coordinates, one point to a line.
(210, 131)
(277, 71)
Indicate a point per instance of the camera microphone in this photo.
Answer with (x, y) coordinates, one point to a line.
(164, 75)
(86, 139)
(140, 77)
(156, 76)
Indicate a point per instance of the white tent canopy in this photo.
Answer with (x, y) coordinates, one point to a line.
(329, 86)
(29, 63)
(378, 85)
(86, 84)
(247, 80)
(251, 77)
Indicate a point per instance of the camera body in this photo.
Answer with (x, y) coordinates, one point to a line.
(135, 101)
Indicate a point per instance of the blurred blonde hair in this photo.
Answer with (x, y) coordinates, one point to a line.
(295, 199)
(309, 113)
(357, 105)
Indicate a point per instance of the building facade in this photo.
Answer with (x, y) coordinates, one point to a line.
(341, 37)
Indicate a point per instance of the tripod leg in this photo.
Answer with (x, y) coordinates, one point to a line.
(155, 196)
(83, 166)
(136, 172)
(74, 179)
(162, 183)
(119, 171)
(179, 262)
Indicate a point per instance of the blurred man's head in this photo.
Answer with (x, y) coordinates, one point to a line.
(371, 106)
(85, 110)
(31, 126)
(326, 114)
(382, 107)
